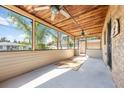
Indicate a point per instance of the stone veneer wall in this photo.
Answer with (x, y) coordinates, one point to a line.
(117, 45)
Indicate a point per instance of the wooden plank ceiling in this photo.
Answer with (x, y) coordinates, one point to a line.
(90, 18)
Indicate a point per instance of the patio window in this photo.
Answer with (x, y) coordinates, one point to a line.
(71, 42)
(46, 38)
(76, 43)
(15, 31)
(64, 40)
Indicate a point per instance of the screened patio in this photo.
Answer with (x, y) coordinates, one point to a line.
(57, 47)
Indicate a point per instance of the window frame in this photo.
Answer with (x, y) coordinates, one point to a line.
(76, 43)
(67, 47)
(33, 20)
(35, 37)
(31, 29)
(73, 39)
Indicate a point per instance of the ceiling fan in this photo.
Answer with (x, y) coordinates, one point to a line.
(55, 9)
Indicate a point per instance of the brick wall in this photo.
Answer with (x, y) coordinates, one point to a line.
(117, 45)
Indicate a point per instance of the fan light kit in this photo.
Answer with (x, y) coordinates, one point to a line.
(55, 9)
(82, 33)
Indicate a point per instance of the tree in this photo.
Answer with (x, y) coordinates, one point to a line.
(14, 41)
(3, 39)
(21, 23)
(40, 36)
(71, 42)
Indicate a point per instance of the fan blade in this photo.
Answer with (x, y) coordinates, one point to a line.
(65, 13)
(53, 16)
(41, 8)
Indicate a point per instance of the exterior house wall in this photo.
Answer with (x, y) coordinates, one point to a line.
(117, 44)
(16, 63)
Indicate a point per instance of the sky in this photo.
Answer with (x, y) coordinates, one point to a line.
(7, 29)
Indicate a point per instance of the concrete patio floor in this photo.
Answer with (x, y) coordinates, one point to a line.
(92, 74)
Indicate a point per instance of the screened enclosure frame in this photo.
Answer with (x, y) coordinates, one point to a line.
(34, 20)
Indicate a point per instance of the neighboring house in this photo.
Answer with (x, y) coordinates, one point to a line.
(8, 46)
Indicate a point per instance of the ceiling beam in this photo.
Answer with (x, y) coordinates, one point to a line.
(85, 16)
(90, 35)
(86, 30)
(86, 23)
(82, 24)
(89, 24)
(89, 32)
(76, 15)
(101, 11)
